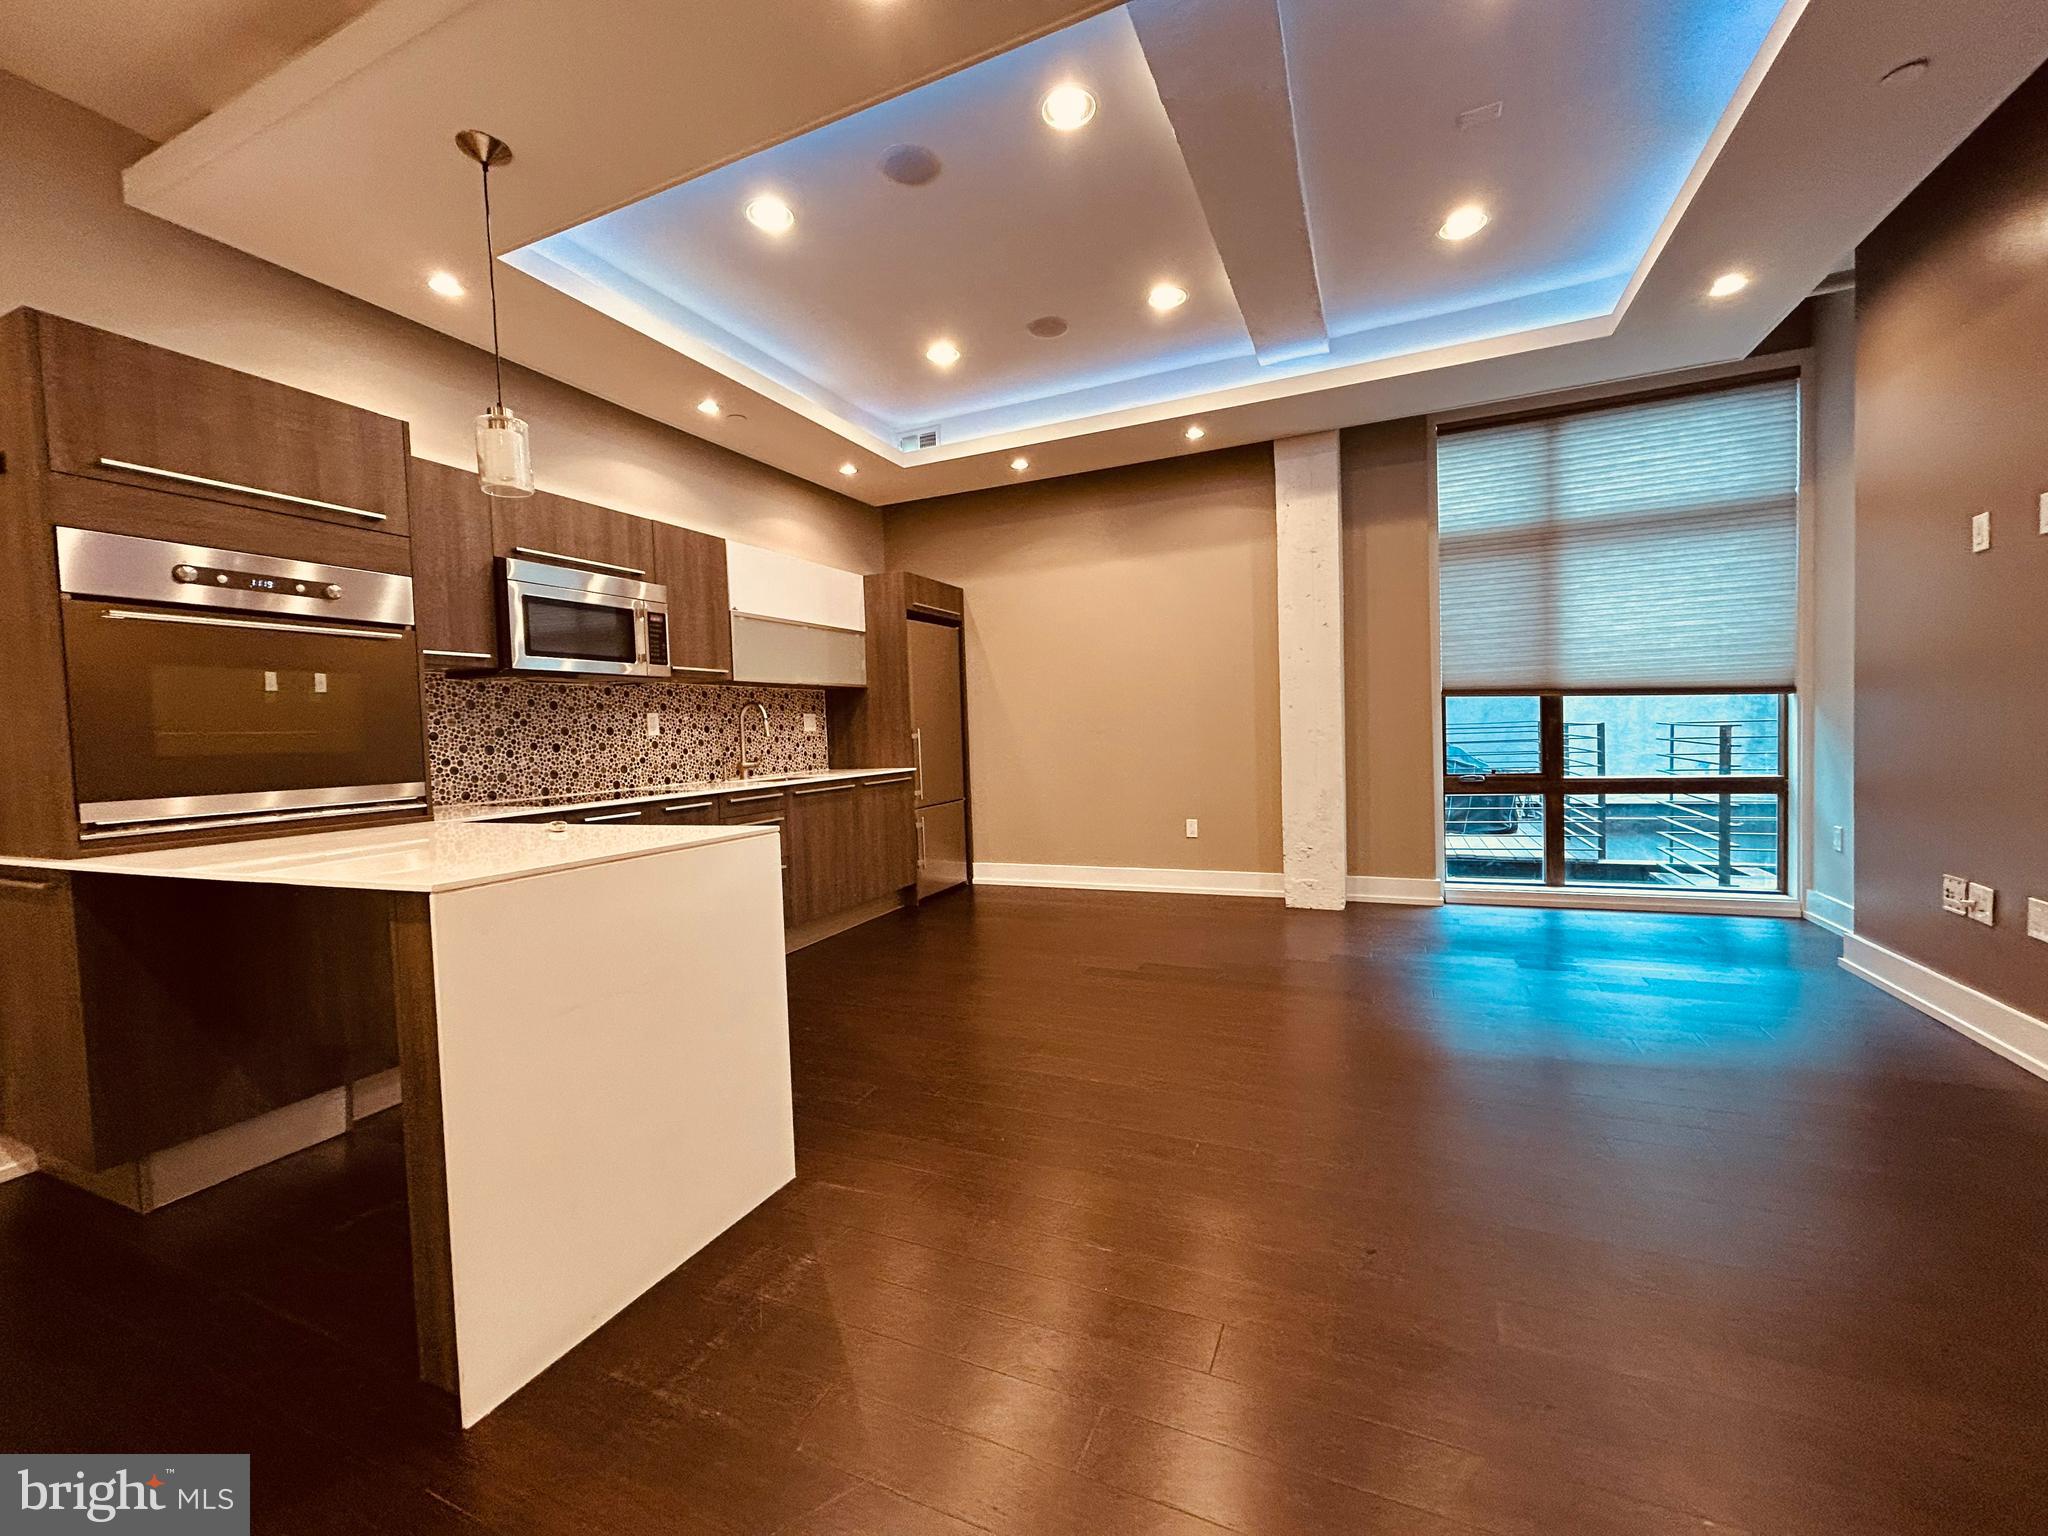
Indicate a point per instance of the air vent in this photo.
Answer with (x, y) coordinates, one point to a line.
(923, 437)
(1476, 117)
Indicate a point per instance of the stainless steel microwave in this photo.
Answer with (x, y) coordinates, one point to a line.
(559, 621)
(213, 687)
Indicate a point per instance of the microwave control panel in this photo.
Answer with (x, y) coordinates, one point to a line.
(657, 639)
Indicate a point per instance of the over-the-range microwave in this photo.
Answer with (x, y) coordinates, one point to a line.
(559, 621)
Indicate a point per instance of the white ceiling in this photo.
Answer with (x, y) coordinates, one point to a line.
(339, 165)
(158, 66)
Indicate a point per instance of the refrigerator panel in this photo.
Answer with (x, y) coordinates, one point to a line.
(935, 713)
(941, 847)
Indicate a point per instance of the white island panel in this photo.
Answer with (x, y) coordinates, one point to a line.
(615, 1089)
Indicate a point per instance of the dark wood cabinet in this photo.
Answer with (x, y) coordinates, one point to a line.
(888, 835)
(454, 592)
(766, 807)
(692, 566)
(544, 526)
(825, 864)
(119, 409)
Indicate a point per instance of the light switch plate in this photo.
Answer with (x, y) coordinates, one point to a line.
(2037, 919)
(1955, 894)
(1836, 839)
(1194, 827)
(810, 724)
(2044, 511)
(1983, 902)
(653, 724)
(1980, 533)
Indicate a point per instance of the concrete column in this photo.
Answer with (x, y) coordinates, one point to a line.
(1310, 534)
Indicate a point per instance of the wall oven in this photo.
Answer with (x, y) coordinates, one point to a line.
(211, 687)
(560, 621)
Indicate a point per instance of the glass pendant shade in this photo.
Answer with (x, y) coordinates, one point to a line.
(504, 463)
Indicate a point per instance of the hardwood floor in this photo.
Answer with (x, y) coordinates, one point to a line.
(1131, 1214)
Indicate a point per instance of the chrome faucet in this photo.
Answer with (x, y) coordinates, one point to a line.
(750, 762)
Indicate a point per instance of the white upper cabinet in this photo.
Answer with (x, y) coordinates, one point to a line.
(767, 584)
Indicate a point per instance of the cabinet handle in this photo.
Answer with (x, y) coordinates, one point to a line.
(752, 799)
(14, 883)
(901, 778)
(687, 805)
(920, 842)
(246, 490)
(703, 671)
(917, 759)
(602, 565)
(822, 789)
(281, 629)
(459, 655)
(933, 609)
(612, 816)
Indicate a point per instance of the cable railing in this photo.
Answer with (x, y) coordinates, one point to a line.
(1698, 749)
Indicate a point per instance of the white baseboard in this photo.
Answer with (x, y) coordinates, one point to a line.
(1594, 899)
(1834, 915)
(2018, 1037)
(1394, 890)
(1110, 877)
(15, 1159)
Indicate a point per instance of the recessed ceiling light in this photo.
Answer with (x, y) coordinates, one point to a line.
(1067, 107)
(1194, 433)
(1165, 296)
(849, 468)
(707, 406)
(1463, 223)
(769, 212)
(1020, 463)
(943, 353)
(1727, 284)
(447, 284)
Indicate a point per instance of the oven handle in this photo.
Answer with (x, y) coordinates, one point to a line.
(282, 629)
(602, 565)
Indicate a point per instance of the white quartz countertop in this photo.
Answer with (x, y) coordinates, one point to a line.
(487, 810)
(418, 856)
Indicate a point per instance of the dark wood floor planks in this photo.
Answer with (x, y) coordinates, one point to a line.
(1153, 1214)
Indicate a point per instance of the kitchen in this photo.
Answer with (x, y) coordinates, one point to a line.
(310, 731)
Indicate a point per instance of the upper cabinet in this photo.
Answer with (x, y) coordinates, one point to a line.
(794, 620)
(544, 526)
(122, 410)
(454, 595)
(692, 566)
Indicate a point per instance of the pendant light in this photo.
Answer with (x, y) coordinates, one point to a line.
(504, 460)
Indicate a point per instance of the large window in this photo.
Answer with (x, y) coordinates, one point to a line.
(1675, 791)
(1619, 607)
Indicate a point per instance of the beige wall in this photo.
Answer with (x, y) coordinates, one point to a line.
(1122, 664)
(1390, 648)
(69, 245)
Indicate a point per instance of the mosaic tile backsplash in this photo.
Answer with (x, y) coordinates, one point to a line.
(495, 738)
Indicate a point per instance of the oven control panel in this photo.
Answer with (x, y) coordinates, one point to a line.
(250, 581)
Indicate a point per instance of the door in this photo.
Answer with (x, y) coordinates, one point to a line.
(455, 601)
(941, 847)
(691, 565)
(176, 713)
(938, 741)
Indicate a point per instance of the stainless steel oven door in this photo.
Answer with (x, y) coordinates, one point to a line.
(184, 717)
(566, 622)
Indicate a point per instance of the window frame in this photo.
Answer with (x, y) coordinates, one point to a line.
(1553, 784)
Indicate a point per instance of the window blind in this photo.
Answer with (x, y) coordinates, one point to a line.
(1647, 545)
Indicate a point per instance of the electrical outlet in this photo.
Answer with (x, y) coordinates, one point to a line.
(1983, 900)
(653, 724)
(1835, 837)
(2037, 919)
(1955, 895)
(1194, 827)
(810, 725)
(1980, 533)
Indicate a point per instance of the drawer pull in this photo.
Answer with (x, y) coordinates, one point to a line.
(13, 883)
(247, 490)
(602, 565)
(458, 655)
(613, 816)
(899, 778)
(753, 799)
(687, 805)
(823, 789)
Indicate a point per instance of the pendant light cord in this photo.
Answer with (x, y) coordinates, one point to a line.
(491, 279)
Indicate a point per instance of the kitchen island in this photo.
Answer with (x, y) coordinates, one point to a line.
(592, 1043)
